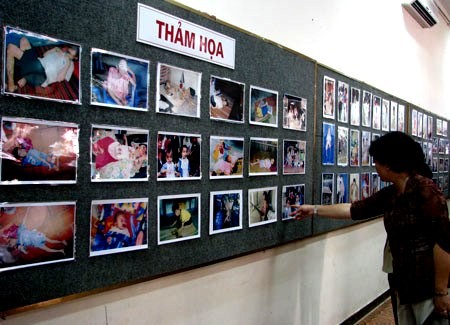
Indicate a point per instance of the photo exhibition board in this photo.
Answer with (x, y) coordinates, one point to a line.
(122, 200)
(128, 214)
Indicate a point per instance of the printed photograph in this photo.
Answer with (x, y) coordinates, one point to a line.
(263, 156)
(425, 126)
(365, 185)
(118, 226)
(342, 190)
(294, 153)
(38, 152)
(342, 146)
(119, 81)
(226, 157)
(355, 106)
(292, 195)
(263, 107)
(327, 193)
(329, 94)
(376, 114)
(294, 112)
(420, 124)
(225, 211)
(430, 131)
(401, 118)
(394, 115)
(354, 187)
(262, 206)
(328, 143)
(438, 124)
(376, 183)
(38, 66)
(375, 136)
(226, 100)
(342, 113)
(178, 156)
(118, 154)
(385, 114)
(178, 91)
(36, 234)
(366, 116)
(365, 144)
(444, 128)
(354, 148)
(178, 218)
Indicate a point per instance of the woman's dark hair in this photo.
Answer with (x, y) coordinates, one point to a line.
(400, 153)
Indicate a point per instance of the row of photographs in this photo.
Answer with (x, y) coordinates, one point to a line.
(46, 152)
(47, 68)
(375, 112)
(351, 146)
(352, 187)
(43, 233)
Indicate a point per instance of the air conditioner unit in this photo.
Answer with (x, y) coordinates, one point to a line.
(420, 11)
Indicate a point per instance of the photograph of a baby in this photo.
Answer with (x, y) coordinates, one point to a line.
(226, 100)
(118, 226)
(226, 157)
(36, 234)
(118, 154)
(38, 151)
(39, 66)
(263, 156)
(119, 81)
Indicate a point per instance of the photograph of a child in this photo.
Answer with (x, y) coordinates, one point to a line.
(385, 114)
(342, 188)
(327, 195)
(294, 112)
(263, 156)
(329, 94)
(178, 91)
(262, 206)
(401, 119)
(226, 100)
(225, 211)
(294, 153)
(343, 93)
(354, 148)
(178, 156)
(366, 111)
(329, 131)
(354, 187)
(36, 233)
(38, 152)
(263, 107)
(118, 154)
(226, 157)
(365, 185)
(342, 146)
(355, 106)
(119, 81)
(38, 66)
(292, 195)
(118, 226)
(365, 144)
(376, 114)
(178, 218)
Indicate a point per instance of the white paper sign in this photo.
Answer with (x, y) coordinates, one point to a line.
(171, 33)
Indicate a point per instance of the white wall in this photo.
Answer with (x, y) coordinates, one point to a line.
(320, 280)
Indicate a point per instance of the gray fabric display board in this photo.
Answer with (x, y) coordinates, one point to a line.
(111, 26)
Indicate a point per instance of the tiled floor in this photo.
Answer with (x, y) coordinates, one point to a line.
(382, 315)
